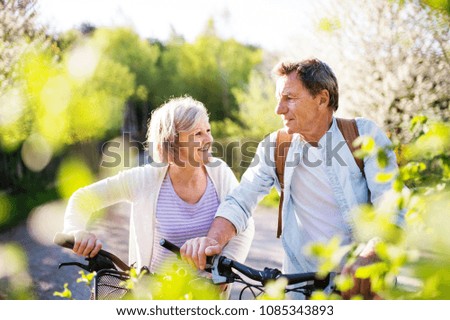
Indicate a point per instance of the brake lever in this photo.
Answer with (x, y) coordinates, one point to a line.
(96, 263)
(78, 264)
(331, 287)
(221, 270)
(217, 278)
(100, 262)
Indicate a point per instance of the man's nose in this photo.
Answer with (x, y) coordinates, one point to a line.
(280, 108)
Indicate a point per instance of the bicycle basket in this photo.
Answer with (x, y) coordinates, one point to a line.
(109, 285)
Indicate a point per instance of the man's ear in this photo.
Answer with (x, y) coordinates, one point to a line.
(324, 98)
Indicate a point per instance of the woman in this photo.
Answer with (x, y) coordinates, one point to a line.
(175, 197)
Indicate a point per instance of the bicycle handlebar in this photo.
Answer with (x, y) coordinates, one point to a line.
(268, 273)
(222, 263)
(67, 241)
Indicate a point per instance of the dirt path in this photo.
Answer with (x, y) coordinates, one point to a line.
(43, 259)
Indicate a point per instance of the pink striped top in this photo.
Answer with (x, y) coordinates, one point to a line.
(179, 221)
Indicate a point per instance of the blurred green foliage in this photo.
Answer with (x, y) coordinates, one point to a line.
(15, 281)
(417, 252)
(271, 200)
(442, 5)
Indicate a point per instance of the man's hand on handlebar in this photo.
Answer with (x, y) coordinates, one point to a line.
(86, 244)
(362, 286)
(195, 251)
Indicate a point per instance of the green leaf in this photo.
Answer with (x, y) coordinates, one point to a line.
(371, 270)
(133, 273)
(368, 144)
(398, 184)
(329, 24)
(417, 120)
(382, 251)
(382, 158)
(411, 171)
(360, 154)
(344, 283)
(86, 278)
(66, 293)
(384, 177)
(274, 290)
(320, 295)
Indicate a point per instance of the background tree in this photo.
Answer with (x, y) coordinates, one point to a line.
(237, 140)
(391, 59)
(17, 32)
(139, 56)
(209, 69)
(56, 102)
(124, 46)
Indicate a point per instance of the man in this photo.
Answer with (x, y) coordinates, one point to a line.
(322, 181)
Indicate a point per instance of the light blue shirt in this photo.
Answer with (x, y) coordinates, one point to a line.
(349, 186)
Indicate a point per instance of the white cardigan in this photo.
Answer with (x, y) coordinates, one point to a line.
(140, 186)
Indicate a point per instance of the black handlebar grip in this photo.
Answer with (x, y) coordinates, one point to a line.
(68, 241)
(301, 277)
(170, 246)
(175, 249)
(64, 240)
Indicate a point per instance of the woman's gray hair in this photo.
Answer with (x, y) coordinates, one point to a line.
(174, 116)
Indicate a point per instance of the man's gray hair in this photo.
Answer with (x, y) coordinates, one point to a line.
(168, 120)
(315, 76)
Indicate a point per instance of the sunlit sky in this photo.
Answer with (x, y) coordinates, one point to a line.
(271, 24)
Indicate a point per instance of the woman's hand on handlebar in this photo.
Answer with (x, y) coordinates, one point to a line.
(86, 244)
(195, 251)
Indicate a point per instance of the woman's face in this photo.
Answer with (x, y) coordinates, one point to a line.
(194, 146)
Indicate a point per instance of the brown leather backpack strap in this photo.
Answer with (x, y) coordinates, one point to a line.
(350, 132)
(281, 150)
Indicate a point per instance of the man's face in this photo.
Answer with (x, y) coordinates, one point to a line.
(299, 110)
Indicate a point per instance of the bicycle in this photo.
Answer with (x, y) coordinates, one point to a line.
(109, 281)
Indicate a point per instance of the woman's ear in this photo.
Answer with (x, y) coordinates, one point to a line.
(163, 151)
(171, 152)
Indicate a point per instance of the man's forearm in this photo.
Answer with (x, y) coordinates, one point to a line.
(222, 230)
